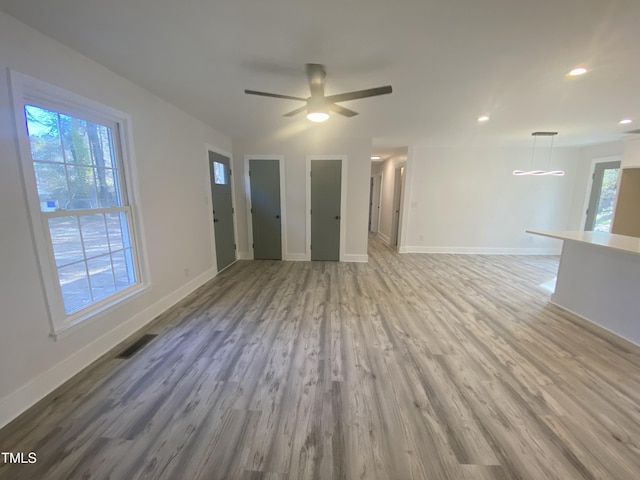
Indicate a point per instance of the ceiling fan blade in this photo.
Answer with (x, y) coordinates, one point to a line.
(342, 111)
(275, 95)
(371, 92)
(295, 112)
(316, 74)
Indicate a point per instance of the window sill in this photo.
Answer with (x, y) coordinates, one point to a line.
(74, 322)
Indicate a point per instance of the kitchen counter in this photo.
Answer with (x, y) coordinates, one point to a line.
(599, 279)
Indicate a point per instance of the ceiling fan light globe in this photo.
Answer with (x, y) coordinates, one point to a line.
(318, 116)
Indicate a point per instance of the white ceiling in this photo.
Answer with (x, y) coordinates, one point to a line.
(447, 60)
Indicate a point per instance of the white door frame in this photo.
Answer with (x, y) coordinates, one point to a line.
(220, 151)
(376, 200)
(592, 170)
(283, 203)
(343, 202)
(403, 181)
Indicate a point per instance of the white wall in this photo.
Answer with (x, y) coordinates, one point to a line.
(316, 140)
(174, 200)
(466, 199)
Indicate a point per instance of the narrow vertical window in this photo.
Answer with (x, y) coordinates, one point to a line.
(219, 174)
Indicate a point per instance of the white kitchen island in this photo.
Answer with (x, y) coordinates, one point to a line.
(599, 279)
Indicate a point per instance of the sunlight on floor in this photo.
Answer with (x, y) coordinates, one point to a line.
(549, 285)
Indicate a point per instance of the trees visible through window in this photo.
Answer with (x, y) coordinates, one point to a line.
(606, 202)
(219, 174)
(80, 181)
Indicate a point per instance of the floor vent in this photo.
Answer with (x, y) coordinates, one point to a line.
(135, 347)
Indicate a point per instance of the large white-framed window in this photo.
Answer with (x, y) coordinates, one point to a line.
(77, 174)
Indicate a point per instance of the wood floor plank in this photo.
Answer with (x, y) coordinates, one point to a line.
(443, 367)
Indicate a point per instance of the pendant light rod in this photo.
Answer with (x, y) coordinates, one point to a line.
(555, 173)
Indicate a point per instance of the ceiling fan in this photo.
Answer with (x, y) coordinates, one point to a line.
(317, 104)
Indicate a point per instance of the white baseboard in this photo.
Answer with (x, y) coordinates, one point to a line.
(12, 405)
(245, 256)
(591, 322)
(296, 257)
(355, 258)
(482, 250)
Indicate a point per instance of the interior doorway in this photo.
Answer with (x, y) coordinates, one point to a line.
(397, 205)
(374, 203)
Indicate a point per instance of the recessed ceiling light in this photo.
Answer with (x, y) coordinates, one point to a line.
(483, 118)
(376, 157)
(577, 72)
(625, 121)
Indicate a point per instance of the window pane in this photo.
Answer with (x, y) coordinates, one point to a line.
(606, 202)
(115, 231)
(219, 173)
(65, 237)
(106, 193)
(118, 231)
(51, 180)
(100, 156)
(101, 276)
(94, 235)
(75, 140)
(123, 269)
(44, 134)
(76, 167)
(106, 138)
(83, 188)
(75, 287)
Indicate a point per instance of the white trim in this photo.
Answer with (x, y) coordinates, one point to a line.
(283, 201)
(12, 405)
(402, 222)
(481, 250)
(244, 255)
(592, 171)
(378, 207)
(355, 258)
(25, 89)
(224, 153)
(100, 308)
(343, 201)
(591, 323)
(407, 190)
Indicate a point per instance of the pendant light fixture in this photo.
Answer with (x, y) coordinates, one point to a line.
(538, 173)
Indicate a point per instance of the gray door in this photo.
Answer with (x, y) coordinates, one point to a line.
(326, 181)
(264, 179)
(220, 176)
(603, 197)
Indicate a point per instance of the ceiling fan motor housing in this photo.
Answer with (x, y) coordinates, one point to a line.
(317, 104)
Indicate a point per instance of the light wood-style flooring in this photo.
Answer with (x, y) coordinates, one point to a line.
(408, 367)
